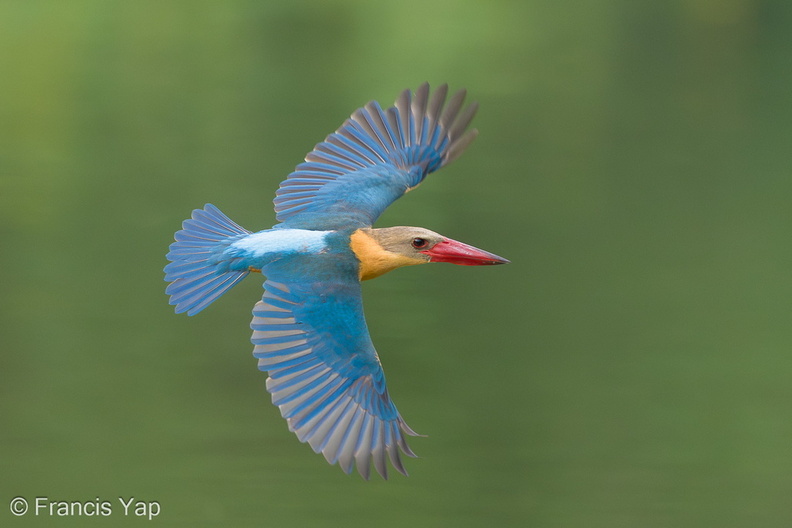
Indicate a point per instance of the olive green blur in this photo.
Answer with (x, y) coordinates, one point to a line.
(631, 367)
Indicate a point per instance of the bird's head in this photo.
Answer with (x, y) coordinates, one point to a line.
(382, 250)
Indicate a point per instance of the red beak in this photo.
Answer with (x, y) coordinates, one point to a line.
(458, 253)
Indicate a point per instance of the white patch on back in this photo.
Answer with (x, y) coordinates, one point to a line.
(282, 240)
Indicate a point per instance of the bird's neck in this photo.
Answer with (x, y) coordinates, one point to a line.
(374, 259)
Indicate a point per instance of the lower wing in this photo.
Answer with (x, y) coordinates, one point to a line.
(325, 376)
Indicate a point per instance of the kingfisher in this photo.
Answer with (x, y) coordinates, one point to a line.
(309, 331)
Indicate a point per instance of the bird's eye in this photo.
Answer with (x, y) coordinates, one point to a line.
(419, 243)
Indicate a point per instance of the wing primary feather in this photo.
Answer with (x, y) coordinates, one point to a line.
(350, 145)
(274, 337)
(280, 290)
(294, 194)
(403, 104)
(419, 110)
(278, 384)
(363, 120)
(463, 120)
(289, 394)
(358, 132)
(329, 159)
(301, 185)
(278, 330)
(300, 359)
(280, 303)
(452, 109)
(393, 449)
(277, 371)
(263, 321)
(290, 209)
(313, 404)
(301, 362)
(314, 426)
(459, 146)
(407, 429)
(294, 202)
(404, 446)
(346, 455)
(433, 112)
(268, 313)
(300, 410)
(363, 447)
(307, 174)
(333, 441)
(342, 153)
(378, 450)
(316, 430)
(322, 168)
(374, 115)
(277, 351)
(291, 189)
(296, 384)
(392, 115)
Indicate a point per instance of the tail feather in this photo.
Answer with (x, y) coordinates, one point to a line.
(197, 273)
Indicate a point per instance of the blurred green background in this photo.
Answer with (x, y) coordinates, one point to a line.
(630, 368)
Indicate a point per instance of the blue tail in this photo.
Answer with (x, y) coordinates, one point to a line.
(198, 272)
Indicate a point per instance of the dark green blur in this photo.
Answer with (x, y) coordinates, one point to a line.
(630, 368)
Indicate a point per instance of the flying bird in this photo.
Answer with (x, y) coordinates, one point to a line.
(309, 331)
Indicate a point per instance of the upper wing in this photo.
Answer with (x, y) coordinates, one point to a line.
(375, 157)
(325, 376)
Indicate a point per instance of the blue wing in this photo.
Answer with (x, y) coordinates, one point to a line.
(325, 376)
(376, 156)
